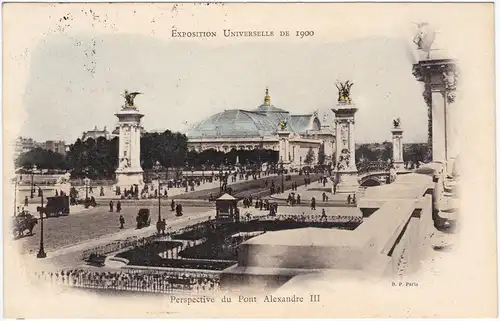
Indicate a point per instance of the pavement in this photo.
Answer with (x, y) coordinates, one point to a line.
(66, 237)
(109, 193)
(95, 223)
(69, 256)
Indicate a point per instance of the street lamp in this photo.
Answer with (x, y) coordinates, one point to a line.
(15, 196)
(41, 252)
(300, 163)
(86, 182)
(32, 172)
(185, 170)
(157, 169)
(220, 179)
(282, 176)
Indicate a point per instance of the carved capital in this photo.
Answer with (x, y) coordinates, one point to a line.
(450, 79)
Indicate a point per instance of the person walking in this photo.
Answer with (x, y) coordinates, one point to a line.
(349, 199)
(111, 206)
(323, 215)
(313, 203)
(118, 207)
(26, 201)
(122, 222)
(163, 226)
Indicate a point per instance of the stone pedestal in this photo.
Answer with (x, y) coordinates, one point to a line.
(346, 173)
(129, 171)
(397, 149)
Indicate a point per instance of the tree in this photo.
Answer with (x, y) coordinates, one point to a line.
(93, 158)
(42, 158)
(310, 158)
(170, 149)
(321, 154)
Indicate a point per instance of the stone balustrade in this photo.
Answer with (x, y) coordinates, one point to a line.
(397, 219)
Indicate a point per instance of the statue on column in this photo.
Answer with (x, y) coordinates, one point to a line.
(283, 125)
(344, 91)
(129, 99)
(424, 38)
(396, 122)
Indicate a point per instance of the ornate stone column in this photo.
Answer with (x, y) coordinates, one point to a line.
(129, 171)
(284, 147)
(440, 79)
(345, 162)
(397, 147)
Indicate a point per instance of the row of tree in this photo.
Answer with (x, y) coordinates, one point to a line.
(416, 152)
(99, 158)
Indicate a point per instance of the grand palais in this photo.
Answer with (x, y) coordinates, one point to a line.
(259, 128)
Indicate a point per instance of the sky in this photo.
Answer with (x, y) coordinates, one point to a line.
(81, 85)
(67, 72)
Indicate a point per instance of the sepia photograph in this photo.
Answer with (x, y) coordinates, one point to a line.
(249, 160)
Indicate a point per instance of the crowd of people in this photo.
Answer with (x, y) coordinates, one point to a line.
(133, 280)
(312, 218)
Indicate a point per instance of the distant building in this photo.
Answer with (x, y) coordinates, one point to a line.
(57, 146)
(96, 133)
(24, 145)
(258, 128)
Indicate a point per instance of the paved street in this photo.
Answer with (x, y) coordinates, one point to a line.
(92, 224)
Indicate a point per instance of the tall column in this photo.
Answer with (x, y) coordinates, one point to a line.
(284, 145)
(129, 171)
(346, 173)
(439, 132)
(440, 79)
(397, 148)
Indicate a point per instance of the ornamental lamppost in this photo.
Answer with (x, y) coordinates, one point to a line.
(15, 195)
(32, 171)
(186, 179)
(282, 171)
(87, 183)
(41, 251)
(157, 168)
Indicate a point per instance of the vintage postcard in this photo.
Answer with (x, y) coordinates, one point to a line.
(249, 160)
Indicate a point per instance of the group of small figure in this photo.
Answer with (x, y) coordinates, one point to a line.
(351, 199)
(176, 207)
(293, 199)
(133, 192)
(161, 226)
(118, 206)
(273, 189)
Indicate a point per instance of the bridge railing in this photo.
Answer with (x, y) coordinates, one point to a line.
(373, 167)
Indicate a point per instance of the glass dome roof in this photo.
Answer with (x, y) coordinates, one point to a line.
(262, 121)
(234, 123)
